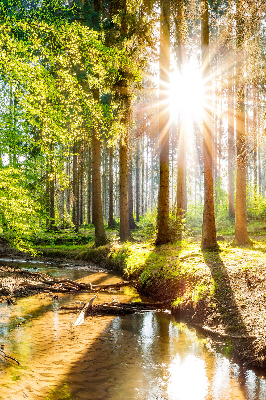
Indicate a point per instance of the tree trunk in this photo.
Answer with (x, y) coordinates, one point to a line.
(132, 224)
(142, 211)
(231, 153)
(241, 234)
(100, 235)
(111, 221)
(75, 212)
(209, 240)
(89, 189)
(124, 231)
(137, 182)
(163, 235)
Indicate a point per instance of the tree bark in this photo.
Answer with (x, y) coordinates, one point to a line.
(89, 189)
(181, 155)
(100, 235)
(163, 234)
(111, 221)
(209, 240)
(231, 141)
(75, 210)
(132, 224)
(124, 231)
(241, 234)
(137, 182)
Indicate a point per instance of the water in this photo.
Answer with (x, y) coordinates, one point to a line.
(144, 356)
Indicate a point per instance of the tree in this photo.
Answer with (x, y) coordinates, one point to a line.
(163, 235)
(241, 234)
(181, 159)
(208, 240)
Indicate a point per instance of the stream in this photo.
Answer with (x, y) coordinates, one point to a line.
(145, 356)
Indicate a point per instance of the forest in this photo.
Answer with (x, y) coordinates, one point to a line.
(132, 135)
(112, 111)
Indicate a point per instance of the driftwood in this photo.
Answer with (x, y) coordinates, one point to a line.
(3, 354)
(84, 311)
(47, 283)
(114, 308)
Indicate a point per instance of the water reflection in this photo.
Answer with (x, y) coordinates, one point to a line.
(145, 356)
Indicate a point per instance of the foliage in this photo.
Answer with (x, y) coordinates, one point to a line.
(20, 212)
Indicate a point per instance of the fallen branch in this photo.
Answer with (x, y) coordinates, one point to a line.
(84, 312)
(3, 354)
(114, 285)
(113, 308)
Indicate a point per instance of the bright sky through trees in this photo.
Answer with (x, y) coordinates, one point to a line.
(186, 93)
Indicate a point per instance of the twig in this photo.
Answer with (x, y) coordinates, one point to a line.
(3, 354)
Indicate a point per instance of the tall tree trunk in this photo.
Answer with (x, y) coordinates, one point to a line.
(163, 235)
(255, 139)
(142, 210)
(137, 182)
(209, 240)
(124, 231)
(151, 182)
(241, 234)
(68, 188)
(111, 221)
(231, 141)
(132, 224)
(100, 235)
(89, 188)
(181, 156)
(75, 212)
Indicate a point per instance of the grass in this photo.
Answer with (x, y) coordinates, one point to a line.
(180, 269)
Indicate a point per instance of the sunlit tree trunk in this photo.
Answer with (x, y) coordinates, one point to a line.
(89, 188)
(100, 235)
(181, 155)
(111, 222)
(241, 234)
(124, 231)
(75, 210)
(230, 143)
(137, 182)
(208, 225)
(163, 235)
(132, 224)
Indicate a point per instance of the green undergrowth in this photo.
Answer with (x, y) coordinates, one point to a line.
(178, 273)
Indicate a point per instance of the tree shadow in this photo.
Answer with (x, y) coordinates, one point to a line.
(226, 310)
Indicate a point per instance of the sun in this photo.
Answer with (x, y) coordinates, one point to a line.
(186, 94)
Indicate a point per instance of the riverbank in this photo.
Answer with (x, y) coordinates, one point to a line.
(222, 293)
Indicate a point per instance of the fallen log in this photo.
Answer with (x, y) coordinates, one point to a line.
(114, 285)
(114, 308)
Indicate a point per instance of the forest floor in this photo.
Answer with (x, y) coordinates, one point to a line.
(222, 293)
